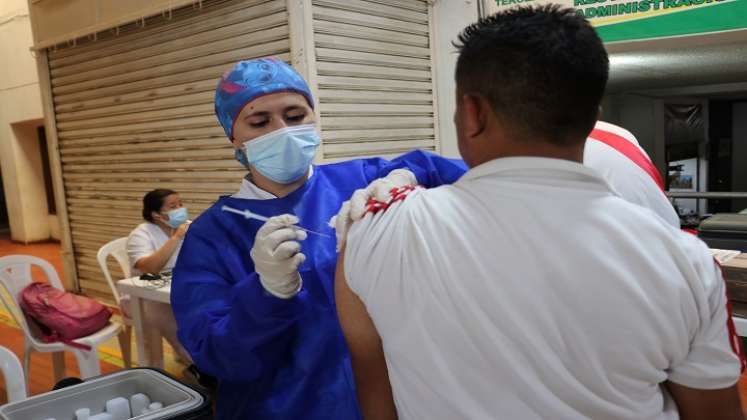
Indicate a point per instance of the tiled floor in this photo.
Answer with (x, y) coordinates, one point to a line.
(41, 366)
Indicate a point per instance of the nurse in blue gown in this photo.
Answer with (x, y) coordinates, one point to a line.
(254, 301)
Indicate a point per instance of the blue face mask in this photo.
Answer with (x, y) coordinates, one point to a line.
(177, 217)
(284, 155)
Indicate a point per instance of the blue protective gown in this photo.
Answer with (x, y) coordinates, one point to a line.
(276, 358)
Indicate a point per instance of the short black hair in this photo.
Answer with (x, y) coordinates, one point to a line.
(543, 70)
(153, 201)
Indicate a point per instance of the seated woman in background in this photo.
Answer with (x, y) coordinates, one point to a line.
(153, 247)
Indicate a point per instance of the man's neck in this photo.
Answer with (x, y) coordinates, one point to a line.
(536, 149)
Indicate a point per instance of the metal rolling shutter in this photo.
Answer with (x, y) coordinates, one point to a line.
(134, 111)
(375, 77)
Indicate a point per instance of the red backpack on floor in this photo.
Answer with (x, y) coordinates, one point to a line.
(63, 316)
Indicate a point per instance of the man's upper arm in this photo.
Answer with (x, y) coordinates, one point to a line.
(363, 339)
(713, 358)
(354, 319)
(365, 282)
(369, 364)
(704, 384)
(375, 251)
(701, 404)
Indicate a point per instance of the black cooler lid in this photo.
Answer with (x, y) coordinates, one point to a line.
(724, 222)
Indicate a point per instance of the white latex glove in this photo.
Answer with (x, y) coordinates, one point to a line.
(277, 254)
(380, 190)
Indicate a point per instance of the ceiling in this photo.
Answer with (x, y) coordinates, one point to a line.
(712, 65)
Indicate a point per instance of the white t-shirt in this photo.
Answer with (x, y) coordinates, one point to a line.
(624, 175)
(146, 239)
(529, 290)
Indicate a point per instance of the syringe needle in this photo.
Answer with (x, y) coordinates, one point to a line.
(233, 210)
(249, 215)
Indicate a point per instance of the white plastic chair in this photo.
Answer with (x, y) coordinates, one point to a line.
(15, 274)
(15, 384)
(118, 249)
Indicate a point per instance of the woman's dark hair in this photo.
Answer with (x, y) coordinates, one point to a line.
(153, 201)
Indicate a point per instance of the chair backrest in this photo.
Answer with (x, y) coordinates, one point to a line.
(15, 384)
(118, 249)
(15, 274)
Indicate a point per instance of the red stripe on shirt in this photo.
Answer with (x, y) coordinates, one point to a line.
(734, 339)
(630, 150)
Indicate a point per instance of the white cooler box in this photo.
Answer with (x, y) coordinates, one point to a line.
(178, 401)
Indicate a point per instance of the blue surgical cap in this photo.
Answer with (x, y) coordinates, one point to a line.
(250, 79)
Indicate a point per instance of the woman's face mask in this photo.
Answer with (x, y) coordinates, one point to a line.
(283, 155)
(177, 217)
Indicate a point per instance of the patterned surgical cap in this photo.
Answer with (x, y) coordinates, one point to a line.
(249, 80)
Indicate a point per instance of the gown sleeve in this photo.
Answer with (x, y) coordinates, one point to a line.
(227, 322)
(430, 169)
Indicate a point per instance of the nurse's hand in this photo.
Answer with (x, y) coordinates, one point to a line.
(380, 190)
(277, 255)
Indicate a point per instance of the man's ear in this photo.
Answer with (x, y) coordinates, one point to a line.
(474, 115)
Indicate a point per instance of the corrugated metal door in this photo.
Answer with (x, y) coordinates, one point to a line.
(134, 111)
(375, 76)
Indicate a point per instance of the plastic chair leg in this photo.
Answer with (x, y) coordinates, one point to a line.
(125, 344)
(26, 361)
(15, 380)
(88, 362)
(58, 363)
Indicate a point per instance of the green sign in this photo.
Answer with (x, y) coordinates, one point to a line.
(624, 20)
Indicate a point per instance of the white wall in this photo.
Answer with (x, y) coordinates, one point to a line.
(450, 17)
(20, 114)
(57, 21)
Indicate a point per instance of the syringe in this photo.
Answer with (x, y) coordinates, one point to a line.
(250, 215)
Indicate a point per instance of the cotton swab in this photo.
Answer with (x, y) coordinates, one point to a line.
(250, 215)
